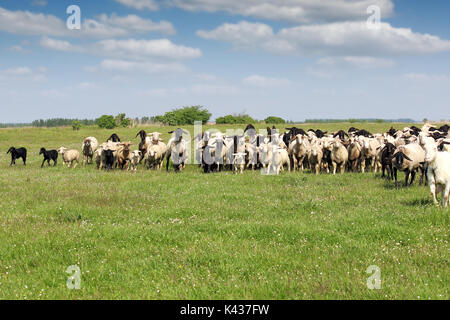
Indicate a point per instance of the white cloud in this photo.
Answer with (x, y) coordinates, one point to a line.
(25, 22)
(300, 11)
(341, 38)
(28, 23)
(140, 4)
(58, 45)
(23, 73)
(141, 67)
(18, 48)
(143, 49)
(134, 23)
(357, 62)
(261, 81)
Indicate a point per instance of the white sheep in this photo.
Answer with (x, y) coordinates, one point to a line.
(155, 155)
(339, 155)
(135, 157)
(88, 148)
(239, 162)
(277, 158)
(408, 158)
(438, 172)
(69, 156)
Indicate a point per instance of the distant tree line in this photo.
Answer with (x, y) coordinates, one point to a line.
(358, 120)
(178, 117)
(60, 122)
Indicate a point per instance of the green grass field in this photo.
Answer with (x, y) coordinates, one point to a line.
(158, 235)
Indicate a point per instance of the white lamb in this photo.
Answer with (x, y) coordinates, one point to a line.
(438, 172)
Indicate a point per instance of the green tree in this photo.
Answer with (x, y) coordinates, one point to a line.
(106, 122)
(76, 125)
(125, 123)
(184, 116)
(235, 119)
(274, 120)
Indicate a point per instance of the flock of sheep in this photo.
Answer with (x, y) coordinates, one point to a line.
(409, 150)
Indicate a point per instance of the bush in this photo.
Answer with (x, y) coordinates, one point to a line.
(274, 120)
(238, 119)
(106, 122)
(76, 125)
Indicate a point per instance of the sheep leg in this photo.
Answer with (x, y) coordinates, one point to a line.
(343, 168)
(445, 194)
(407, 172)
(334, 168)
(395, 177)
(413, 175)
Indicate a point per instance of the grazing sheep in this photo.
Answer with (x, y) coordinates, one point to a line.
(239, 162)
(114, 138)
(135, 157)
(112, 146)
(123, 155)
(215, 153)
(69, 157)
(177, 149)
(339, 155)
(299, 147)
(386, 160)
(278, 157)
(155, 155)
(438, 172)
(98, 157)
(17, 154)
(315, 158)
(108, 159)
(369, 152)
(354, 154)
(88, 148)
(408, 158)
(49, 155)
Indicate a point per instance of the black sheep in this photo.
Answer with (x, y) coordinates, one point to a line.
(386, 160)
(49, 155)
(114, 138)
(17, 154)
(109, 159)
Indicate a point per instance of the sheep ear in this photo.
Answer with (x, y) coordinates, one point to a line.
(406, 157)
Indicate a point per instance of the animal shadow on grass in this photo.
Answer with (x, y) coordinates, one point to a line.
(418, 203)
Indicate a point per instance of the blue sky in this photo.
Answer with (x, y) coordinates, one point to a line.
(297, 59)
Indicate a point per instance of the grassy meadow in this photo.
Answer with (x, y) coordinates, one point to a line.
(158, 235)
